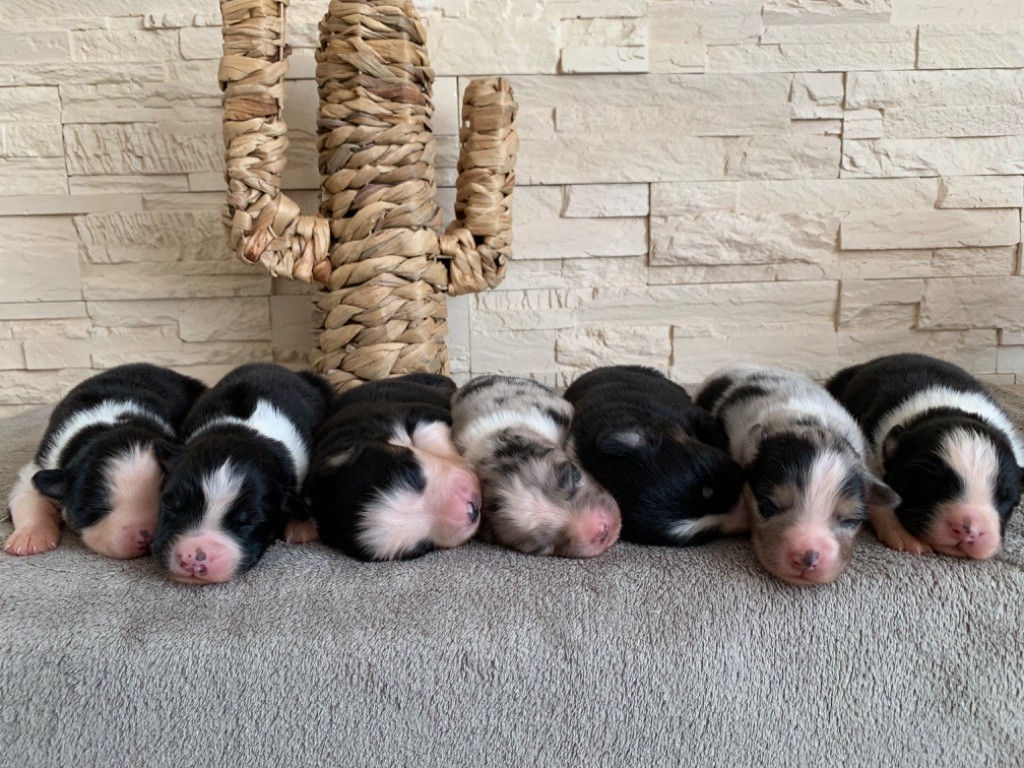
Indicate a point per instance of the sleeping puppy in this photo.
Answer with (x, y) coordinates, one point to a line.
(96, 463)
(662, 458)
(234, 485)
(386, 482)
(941, 441)
(536, 500)
(808, 486)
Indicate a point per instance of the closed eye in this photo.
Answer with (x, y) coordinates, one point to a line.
(851, 522)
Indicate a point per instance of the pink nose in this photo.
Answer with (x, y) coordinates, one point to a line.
(965, 532)
(193, 562)
(805, 561)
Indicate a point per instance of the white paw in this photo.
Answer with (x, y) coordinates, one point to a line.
(32, 540)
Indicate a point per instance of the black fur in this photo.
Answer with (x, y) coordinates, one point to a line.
(679, 451)
(270, 489)
(914, 467)
(77, 479)
(361, 423)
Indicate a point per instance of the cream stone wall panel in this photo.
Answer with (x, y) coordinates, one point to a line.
(1010, 360)
(941, 262)
(156, 235)
(33, 176)
(516, 352)
(45, 205)
(243, 319)
(813, 57)
(959, 46)
(696, 358)
(51, 354)
(175, 281)
(974, 350)
(41, 311)
(143, 148)
(783, 157)
(135, 313)
(123, 45)
(18, 74)
(140, 102)
(828, 12)
(28, 387)
(879, 304)
(578, 238)
(933, 122)
(978, 87)
(981, 192)
(606, 59)
(962, 12)
(1009, 337)
(103, 184)
(587, 348)
(973, 302)
(484, 321)
(817, 95)
(589, 201)
(33, 140)
(744, 273)
(863, 124)
(932, 157)
(666, 123)
(48, 9)
(705, 307)
(208, 42)
(878, 230)
(29, 104)
(12, 355)
(214, 353)
(500, 42)
(35, 47)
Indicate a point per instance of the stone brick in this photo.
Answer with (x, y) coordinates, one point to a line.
(124, 45)
(777, 12)
(605, 59)
(48, 205)
(513, 351)
(32, 140)
(943, 262)
(42, 310)
(589, 201)
(721, 119)
(12, 355)
(959, 12)
(974, 350)
(982, 87)
(817, 95)
(29, 105)
(879, 304)
(52, 354)
(244, 319)
(181, 280)
(812, 351)
(1011, 338)
(202, 43)
(156, 236)
(783, 157)
(933, 122)
(1010, 360)
(143, 148)
(140, 102)
(50, 329)
(494, 42)
(851, 54)
(959, 46)
(587, 9)
(28, 387)
(972, 302)
(33, 176)
(90, 185)
(625, 345)
(213, 353)
(40, 260)
(604, 32)
(934, 157)
(878, 230)
(82, 72)
(34, 47)
(981, 192)
(555, 237)
(863, 124)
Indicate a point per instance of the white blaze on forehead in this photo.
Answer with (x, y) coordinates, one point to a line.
(134, 480)
(393, 523)
(972, 403)
(973, 458)
(108, 412)
(269, 422)
(220, 490)
(431, 436)
(528, 418)
(824, 488)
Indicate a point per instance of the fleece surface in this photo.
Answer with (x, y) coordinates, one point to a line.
(480, 657)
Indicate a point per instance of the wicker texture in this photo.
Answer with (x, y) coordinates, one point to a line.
(375, 246)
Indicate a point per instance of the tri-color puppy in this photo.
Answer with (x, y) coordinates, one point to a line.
(386, 483)
(233, 488)
(808, 485)
(96, 467)
(536, 500)
(943, 443)
(663, 459)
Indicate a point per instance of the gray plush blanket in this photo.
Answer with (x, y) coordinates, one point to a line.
(479, 656)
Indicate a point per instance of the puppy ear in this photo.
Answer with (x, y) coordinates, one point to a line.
(340, 459)
(880, 495)
(891, 441)
(620, 442)
(293, 504)
(52, 483)
(707, 429)
(167, 453)
(752, 444)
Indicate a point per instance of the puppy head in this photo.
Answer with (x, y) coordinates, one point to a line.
(959, 483)
(225, 501)
(538, 501)
(388, 501)
(110, 492)
(807, 494)
(664, 479)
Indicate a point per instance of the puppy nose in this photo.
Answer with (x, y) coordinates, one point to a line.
(474, 512)
(810, 558)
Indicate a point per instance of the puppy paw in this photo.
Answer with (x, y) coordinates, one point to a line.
(902, 541)
(301, 532)
(32, 540)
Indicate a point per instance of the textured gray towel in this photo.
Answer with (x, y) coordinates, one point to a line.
(480, 656)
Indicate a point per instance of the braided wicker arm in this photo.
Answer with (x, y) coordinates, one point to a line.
(375, 245)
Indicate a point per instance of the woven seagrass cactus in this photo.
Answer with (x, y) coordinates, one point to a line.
(375, 246)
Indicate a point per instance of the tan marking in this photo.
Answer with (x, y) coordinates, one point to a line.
(301, 531)
(890, 531)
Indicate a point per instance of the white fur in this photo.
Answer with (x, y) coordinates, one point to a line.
(528, 418)
(269, 422)
(731, 522)
(220, 489)
(106, 412)
(434, 437)
(973, 458)
(395, 523)
(824, 487)
(973, 403)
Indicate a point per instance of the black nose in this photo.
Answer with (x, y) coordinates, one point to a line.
(811, 557)
(474, 512)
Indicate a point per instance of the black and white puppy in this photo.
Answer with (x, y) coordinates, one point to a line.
(943, 443)
(235, 484)
(661, 457)
(805, 458)
(386, 482)
(513, 432)
(96, 465)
